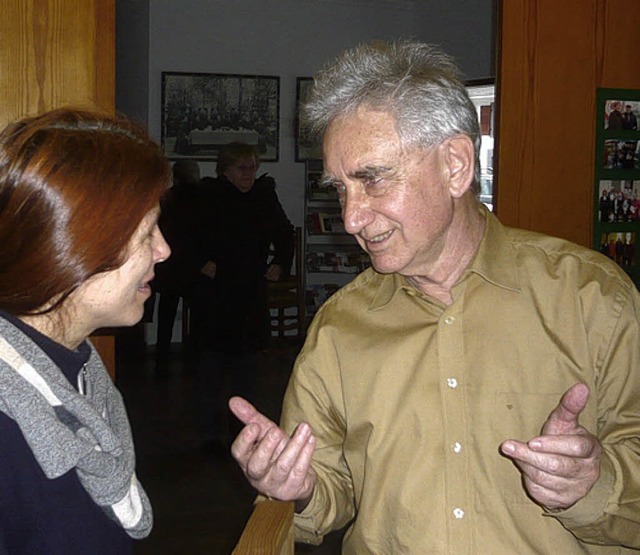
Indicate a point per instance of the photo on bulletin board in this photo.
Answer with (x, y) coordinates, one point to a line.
(307, 146)
(621, 115)
(621, 154)
(203, 111)
(619, 201)
(620, 246)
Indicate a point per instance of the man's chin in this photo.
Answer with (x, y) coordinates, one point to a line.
(383, 266)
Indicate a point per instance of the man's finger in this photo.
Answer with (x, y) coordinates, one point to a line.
(247, 413)
(564, 418)
(580, 446)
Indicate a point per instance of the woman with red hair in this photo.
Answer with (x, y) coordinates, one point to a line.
(79, 203)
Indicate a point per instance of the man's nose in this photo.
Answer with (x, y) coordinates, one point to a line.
(356, 212)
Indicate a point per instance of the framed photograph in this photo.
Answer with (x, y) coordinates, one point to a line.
(306, 147)
(203, 111)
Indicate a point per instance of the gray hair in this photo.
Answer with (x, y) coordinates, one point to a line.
(417, 83)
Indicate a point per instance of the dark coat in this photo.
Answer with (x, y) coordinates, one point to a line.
(238, 230)
(179, 224)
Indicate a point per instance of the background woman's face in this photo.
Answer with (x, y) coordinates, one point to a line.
(243, 173)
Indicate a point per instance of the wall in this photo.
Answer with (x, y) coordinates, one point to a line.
(288, 38)
(54, 53)
(554, 55)
(132, 59)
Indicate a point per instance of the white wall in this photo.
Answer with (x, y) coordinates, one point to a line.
(287, 38)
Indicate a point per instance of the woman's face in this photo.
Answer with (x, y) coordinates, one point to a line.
(243, 173)
(116, 298)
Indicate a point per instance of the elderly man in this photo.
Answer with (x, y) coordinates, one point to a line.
(477, 391)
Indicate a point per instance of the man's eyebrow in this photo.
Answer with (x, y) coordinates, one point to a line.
(368, 172)
(371, 171)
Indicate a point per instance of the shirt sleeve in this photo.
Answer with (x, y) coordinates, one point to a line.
(610, 513)
(315, 399)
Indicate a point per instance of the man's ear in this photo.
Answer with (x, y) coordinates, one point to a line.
(459, 159)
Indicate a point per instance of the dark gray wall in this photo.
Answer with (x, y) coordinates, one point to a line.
(132, 58)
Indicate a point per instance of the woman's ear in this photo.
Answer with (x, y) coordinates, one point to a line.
(459, 157)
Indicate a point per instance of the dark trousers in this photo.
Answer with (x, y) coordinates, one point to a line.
(220, 377)
(167, 309)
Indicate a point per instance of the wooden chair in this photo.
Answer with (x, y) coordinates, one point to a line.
(269, 530)
(285, 298)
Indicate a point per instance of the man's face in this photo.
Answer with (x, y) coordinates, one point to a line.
(396, 201)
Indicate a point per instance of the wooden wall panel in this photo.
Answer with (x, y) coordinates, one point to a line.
(552, 57)
(55, 53)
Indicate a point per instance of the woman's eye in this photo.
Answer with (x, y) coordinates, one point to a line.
(152, 232)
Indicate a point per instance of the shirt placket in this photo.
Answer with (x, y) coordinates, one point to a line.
(453, 391)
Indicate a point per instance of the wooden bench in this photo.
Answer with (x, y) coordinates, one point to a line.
(269, 530)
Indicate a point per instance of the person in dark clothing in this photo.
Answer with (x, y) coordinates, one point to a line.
(629, 120)
(78, 227)
(615, 117)
(175, 278)
(242, 218)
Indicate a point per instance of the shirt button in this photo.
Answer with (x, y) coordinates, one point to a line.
(449, 320)
(458, 513)
(452, 383)
(457, 447)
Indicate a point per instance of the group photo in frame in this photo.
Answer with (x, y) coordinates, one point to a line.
(307, 146)
(203, 111)
(620, 246)
(619, 201)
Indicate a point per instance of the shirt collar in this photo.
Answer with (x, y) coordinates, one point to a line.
(494, 262)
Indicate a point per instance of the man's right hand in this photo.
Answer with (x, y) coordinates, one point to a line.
(275, 464)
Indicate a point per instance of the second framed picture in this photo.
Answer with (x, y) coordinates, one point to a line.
(307, 148)
(203, 111)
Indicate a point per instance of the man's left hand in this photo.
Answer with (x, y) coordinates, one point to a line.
(561, 465)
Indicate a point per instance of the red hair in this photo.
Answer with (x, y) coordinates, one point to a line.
(74, 186)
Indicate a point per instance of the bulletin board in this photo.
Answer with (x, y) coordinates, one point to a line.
(617, 178)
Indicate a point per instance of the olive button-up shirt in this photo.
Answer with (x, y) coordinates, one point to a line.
(410, 399)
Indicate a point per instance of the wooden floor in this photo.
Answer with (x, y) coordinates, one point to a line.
(201, 501)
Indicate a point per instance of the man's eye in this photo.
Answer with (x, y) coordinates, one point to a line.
(375, 186)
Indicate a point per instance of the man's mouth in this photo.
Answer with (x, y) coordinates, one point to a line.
(380, 237)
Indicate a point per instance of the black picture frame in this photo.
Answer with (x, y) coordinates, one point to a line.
(203, 111)
(307, 147)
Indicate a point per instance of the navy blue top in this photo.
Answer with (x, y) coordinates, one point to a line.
(42, 516)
